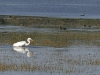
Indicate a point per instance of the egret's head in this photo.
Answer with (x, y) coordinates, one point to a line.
(30, 39)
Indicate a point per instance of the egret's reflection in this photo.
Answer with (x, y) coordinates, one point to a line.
(23, 50)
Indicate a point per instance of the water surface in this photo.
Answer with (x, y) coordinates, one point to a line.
(52, 8)
(81, 59)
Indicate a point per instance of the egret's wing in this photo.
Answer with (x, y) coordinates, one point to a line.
(21, 43)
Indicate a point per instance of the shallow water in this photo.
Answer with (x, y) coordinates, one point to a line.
(54, 52)
(71, 60)
(23, 29)
(20, 29)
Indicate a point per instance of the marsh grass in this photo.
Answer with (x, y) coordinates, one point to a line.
(62, 39)
(55, 40)
(33, 21)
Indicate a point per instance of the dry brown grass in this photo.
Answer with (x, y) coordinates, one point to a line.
(56, 40)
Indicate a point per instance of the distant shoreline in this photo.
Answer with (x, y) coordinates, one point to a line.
(7, 16)
(38, 21)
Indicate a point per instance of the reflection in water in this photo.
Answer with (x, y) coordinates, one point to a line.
(23, 50)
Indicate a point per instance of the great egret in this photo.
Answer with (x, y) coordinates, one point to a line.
(22, 43)
(23, 50)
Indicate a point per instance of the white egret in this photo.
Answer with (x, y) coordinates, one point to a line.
(22, 43)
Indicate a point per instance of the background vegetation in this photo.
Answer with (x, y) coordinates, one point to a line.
(47, 22)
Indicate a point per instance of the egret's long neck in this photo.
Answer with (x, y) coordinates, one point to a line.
(28, 42)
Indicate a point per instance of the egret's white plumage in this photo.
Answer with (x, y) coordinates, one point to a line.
(23, 43)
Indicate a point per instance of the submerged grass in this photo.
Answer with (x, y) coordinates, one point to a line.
(51, 68)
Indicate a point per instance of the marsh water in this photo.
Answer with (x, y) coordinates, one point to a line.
(74, 51)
